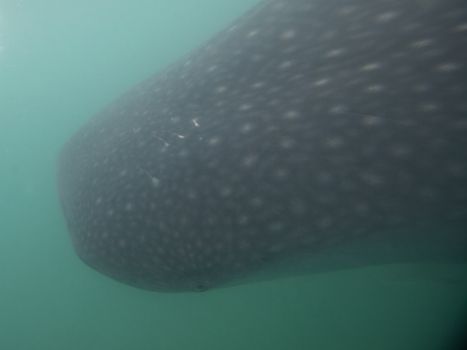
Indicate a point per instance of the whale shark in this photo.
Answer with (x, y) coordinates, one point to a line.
(307, 136)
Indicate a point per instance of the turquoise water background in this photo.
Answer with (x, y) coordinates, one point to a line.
(60, 62)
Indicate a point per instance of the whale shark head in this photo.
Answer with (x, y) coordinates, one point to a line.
(327, 131)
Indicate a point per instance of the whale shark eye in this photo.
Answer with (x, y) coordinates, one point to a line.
(201, 287)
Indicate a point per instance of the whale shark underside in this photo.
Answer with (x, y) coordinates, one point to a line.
(308, 135)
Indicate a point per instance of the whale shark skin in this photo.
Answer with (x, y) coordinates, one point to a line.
(309, 135)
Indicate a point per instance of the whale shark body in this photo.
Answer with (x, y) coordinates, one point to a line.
(308, 135)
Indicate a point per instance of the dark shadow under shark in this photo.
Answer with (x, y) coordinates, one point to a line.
(307, 136)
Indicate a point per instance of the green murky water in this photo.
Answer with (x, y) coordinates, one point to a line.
(60, 62)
